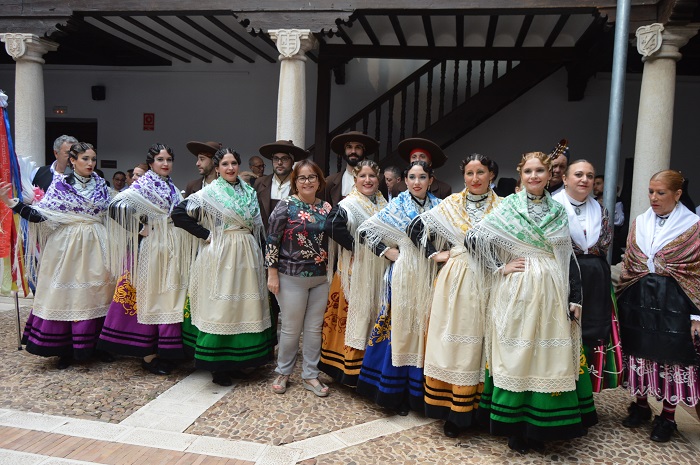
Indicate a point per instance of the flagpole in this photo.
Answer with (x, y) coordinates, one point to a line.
(19, 332)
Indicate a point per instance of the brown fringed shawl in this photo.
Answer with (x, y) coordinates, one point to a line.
(679, 259)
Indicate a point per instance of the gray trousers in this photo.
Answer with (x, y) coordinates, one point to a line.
(302, 306)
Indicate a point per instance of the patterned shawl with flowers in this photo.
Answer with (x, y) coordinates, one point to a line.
(509, 233)
(63, 204)
(230, 213)
(412, 275)
(679, 259)
(166, 251)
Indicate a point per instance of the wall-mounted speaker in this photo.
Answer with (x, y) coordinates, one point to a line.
(99, 92)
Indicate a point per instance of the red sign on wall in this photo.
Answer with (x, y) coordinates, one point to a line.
(149, 121)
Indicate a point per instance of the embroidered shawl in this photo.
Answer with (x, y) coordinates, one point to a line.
(509, 233)
(679, 259)
(148, 204)
(225, 208)
(412, 275)
(61, 205)
(365, 292)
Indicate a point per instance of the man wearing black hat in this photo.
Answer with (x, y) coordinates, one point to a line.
(275, 187)
(354, 147)
(204, 151)
(417, 149)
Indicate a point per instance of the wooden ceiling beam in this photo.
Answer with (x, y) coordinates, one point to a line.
(556, 30)
(332, 51)
(428, 26)
(396, 24)
(164, 38)
(459, 30)
(524, 29)
(138, 38)
(190, 39)
(208, 34)
(491, 33)
(217, 22)
(368, 29)
(344, 35)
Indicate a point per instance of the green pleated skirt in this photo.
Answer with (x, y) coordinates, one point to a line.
(536, 415)
(217, 352)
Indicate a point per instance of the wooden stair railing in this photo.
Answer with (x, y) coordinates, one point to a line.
(410, 107)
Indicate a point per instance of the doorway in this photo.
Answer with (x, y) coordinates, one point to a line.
(85, 130)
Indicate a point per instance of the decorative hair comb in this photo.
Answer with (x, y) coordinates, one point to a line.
(562, 148)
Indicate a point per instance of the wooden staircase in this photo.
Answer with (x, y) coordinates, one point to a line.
(441, 101)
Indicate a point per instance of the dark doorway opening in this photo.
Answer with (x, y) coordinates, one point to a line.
(85, 130)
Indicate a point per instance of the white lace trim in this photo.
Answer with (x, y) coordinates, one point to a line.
(457, 378)
(233, 328)
(462, 339)
(404, 360)
(542, 385)
(160, 318)
(527, 343)
(70, 315)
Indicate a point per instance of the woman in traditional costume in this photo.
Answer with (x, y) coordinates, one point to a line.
(227, 325)
(296, 258)
(659, 316)
(392, 368)
(454, 367)
(537, 386)
(351, 311)
(74, 284)
(148, 323)
(591, 233)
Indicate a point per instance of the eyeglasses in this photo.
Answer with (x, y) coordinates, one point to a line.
(259, 166)
(304, 179)
(281, 159)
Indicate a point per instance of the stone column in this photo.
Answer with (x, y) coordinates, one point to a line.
(652, 153)
(291, 100)
(28, 50)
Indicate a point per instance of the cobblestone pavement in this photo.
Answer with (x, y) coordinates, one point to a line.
(184, 418)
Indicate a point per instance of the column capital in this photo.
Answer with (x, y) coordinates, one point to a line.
(27, 47)
(293, 43)
(656, 41)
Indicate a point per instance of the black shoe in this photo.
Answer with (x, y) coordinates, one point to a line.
(236, 374)
(637, 416)
(104, 356)
(64, 362)
(403, 409)
(518, 444)
(451, 430)
(663, 429)
(221, 378)
(156, 366)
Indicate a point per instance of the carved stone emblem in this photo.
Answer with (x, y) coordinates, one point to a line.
(288, 42)
(14, 44)
(649, 39)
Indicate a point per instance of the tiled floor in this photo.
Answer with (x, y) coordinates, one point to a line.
(118, 414)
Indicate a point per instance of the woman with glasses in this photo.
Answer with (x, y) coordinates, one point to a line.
(227, 326)
(74, 284)
(296, 258)
(144, 239)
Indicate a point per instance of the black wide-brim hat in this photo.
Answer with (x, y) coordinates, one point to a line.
(338, 143)
(209, 148)
(283, 146)
(437, 156)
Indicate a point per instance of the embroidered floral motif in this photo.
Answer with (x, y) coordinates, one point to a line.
(125, 294)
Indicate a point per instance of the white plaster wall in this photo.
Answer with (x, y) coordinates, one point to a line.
(236, 105)
(540, 118)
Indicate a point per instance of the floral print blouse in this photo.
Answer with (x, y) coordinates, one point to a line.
(296, 243)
